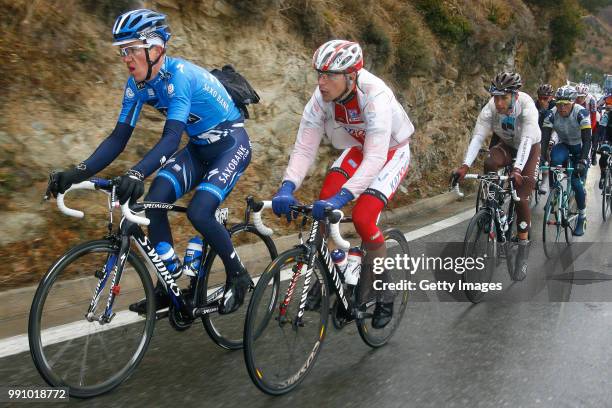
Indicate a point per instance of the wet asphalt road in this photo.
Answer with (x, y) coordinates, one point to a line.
(543, 342)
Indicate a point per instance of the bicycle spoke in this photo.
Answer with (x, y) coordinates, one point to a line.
(83, 361)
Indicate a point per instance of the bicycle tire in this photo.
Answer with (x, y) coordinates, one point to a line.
(552, 224)
(480, 228)
(572, 218)
(39, 355)
(606, 197)
(262, 359)
(479, 198)
(213, 330)
(379, 337)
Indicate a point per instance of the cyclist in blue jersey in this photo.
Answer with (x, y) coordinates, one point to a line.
(217, 154)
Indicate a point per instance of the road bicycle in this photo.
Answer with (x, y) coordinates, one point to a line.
(282, 336)
(81, 333)
(560, 210)
(489, 232)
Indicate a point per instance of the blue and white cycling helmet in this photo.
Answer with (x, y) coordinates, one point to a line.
(566, 93)
(142, 24)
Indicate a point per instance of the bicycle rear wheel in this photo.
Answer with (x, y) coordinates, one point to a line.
(480, 242)
(256, 253)
(280, 347)
(396, 245)
(69, 350)
(552, 224)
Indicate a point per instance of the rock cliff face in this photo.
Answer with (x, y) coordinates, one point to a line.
(63, 84)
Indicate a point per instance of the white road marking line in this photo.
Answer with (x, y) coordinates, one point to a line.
(19, 344)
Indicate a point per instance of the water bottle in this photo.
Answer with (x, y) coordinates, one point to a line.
(338, 256)
(167, 255)
(193, 256)
(353, 266)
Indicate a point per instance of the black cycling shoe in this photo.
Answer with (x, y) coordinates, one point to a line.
(313, 299)
(383, 312)
(161, 301)
(236, 287)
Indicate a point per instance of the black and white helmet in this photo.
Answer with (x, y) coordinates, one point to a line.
(566, 93)
(546, 90)
(505, 82)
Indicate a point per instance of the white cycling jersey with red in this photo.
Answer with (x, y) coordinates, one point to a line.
(519, 129)
(373, 120)
(590, 103)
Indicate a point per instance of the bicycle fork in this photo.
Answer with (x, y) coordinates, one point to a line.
(111, 266)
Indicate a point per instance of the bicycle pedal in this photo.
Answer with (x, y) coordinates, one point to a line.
(161, 314)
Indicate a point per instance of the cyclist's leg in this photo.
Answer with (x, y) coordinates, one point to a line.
(523, 212)
(594, 145)
(341, 170)
(173, 180)
(223, 170)
(365, 217)
(177, 176)
(498, 157)
(579, 191)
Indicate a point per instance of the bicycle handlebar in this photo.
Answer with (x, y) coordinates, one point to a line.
(334, 216)
(95, 185)
(514, 194)
(85, 185)
(257, 221)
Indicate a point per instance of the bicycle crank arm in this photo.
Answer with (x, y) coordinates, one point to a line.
(201, 311)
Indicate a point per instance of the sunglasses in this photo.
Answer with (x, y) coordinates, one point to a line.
(133, 50)
(563, 102)
(333, 76)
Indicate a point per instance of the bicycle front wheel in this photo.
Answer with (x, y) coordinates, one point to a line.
(69, 346)
(480, 242)
(280, 343)
(396, 245)
(255, 251)
(552, 224)
(570, 218)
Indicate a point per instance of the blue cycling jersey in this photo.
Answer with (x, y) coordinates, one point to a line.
(181, 91)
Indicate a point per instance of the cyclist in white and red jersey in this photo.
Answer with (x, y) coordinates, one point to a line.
(589, 102)
(513, 117)
(360, 115)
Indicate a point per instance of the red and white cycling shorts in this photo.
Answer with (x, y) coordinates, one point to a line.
(372, 201)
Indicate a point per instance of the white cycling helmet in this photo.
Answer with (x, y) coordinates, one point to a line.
(338, 56)
(582, 89)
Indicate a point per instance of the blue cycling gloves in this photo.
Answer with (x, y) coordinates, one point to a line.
(336, 202)
(283, 199)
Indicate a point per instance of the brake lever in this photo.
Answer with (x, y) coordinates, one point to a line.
(52, 179)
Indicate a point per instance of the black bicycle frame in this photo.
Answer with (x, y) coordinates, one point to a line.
(317, 245)
(127, 230)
